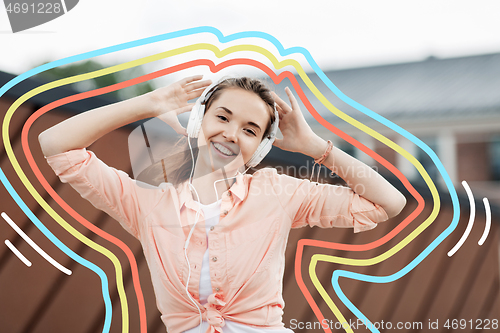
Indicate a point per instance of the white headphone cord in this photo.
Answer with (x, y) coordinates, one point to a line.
(186, 244)
(220, 180)
(191, 232)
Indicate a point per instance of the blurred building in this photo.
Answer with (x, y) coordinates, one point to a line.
(452, 105)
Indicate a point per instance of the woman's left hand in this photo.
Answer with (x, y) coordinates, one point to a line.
(297, 134)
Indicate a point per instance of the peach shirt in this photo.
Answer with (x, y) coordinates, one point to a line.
(247, 247)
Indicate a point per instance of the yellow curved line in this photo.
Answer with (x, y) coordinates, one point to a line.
(42, 202)
(319, 287)
(55, 216)
(381, 138)
(218, 53)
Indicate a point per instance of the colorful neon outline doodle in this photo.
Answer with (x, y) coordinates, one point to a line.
(316, 92)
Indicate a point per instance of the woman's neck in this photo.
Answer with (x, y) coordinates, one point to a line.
(203, 182)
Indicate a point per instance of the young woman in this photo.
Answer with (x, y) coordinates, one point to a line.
(214, 237)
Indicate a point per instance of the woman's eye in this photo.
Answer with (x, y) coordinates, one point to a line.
(222, 118)
(251, 132)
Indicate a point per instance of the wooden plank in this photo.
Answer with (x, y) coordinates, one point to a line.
(455, 276)
(479, 280)
(16, 214)
(17, 292)
(60, 304)
(381, 299)
(325, 270)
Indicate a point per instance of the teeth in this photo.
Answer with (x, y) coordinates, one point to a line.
(223, 149)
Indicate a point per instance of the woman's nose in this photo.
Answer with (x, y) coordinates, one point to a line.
(230, 135)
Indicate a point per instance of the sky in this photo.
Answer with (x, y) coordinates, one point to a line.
(338, 34)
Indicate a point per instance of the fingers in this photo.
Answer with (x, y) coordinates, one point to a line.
(195, 93)
(277, 99)
(182, 131)
(278, 142)
(184, 109)
(281, 106)
(171, 119)
(281, 113)
(199, 84)
(193, 86)
(176, 125)
(190, 79)
(291, 97)
(194, 90)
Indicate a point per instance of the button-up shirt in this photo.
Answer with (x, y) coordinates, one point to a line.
(247, 246)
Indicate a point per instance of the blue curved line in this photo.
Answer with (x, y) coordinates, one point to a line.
(326, 81)
(418, 142)
(65, 249)
(376, 279)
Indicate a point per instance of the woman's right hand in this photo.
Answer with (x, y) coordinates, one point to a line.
(172, 100)
(82, 130)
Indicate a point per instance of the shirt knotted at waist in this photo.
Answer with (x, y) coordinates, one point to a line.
(213, 314)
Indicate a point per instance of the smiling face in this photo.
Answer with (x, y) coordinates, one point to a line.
(232, 129)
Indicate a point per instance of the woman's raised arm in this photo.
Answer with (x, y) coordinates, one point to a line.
(298, 137)
(83, 129)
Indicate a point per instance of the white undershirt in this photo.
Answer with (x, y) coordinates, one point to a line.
(212, 216)
(211, 212)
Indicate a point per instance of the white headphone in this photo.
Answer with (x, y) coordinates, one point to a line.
(196, 118)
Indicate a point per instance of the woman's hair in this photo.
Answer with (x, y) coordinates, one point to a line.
(176, 168)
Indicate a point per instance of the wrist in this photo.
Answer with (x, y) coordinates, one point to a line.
(150, 105)
(317, 147)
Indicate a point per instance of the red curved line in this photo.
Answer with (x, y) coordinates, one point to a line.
(215, 68)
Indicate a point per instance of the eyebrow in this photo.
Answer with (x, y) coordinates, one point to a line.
(231, 113)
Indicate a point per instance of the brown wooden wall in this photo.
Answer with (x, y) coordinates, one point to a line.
(474, 162)
(42, 299)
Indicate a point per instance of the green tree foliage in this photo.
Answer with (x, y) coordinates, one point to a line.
(101, 81)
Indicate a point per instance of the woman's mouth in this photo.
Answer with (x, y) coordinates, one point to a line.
(222, 149)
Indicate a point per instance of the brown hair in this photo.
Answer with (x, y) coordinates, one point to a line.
(177, 167)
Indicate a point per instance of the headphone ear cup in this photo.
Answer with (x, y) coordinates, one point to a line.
(267, 144)
(262, 150)
(195, 119)
(198, 111)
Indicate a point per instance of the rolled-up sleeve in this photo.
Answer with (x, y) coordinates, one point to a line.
(108, 189)
(325, 205)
